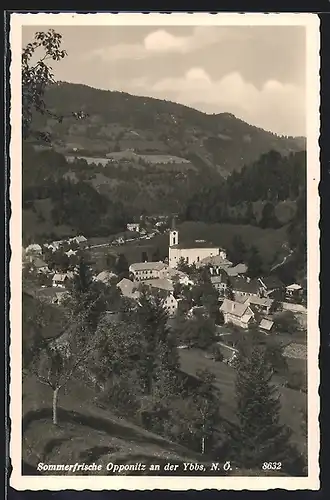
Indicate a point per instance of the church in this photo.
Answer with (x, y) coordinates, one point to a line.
(193, 252)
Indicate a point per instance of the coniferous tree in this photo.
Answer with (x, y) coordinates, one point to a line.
(254, 263)
(260, 436)
(121, 267)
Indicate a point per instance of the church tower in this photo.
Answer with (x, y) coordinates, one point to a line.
(174, 235)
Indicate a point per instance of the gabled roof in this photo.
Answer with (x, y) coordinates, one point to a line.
(105, 276)
(261, 301)
(271, 282)
(266, 324)
(39, 263)
(294, 286)
(235, 308)
(161, 284)
(59, 277)
(217, 260)
(146, 266)
(196, 244)
(128, 288)
(236, 270)
(240, 284)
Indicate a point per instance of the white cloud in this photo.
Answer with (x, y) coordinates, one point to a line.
(161, 41)
(277, 107)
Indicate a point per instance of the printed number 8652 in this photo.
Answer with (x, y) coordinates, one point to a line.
(271, 466)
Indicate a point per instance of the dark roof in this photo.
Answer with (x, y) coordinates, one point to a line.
(240, 284)
(195, 244)
(272, 282)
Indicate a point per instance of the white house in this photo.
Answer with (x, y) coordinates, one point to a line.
(263, 304)
(105, 277)
(128, 289)
(142, 271)
(192, 253)
(236, 313)
(216, 263)
(176, 275)
(60, 279)
(133, 226)
(293, 291)
(40, 266)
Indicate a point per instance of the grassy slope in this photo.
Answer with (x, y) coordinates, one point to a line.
(87, 433)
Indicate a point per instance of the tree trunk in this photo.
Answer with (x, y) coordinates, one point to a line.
(203, 445)
(55, 398)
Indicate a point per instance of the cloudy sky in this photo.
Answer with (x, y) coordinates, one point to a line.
(255, 72)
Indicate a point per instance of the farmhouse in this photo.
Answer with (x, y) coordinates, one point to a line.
(193, 252)
(244, 287)
(219, 282)
(216, 263)
(133, 226)
(32, 251)
(60, 280)
(238, 314)
(142, 271)
(128, 289)
(293, 291)
(40, 266)
(262, 304)
(105, 277)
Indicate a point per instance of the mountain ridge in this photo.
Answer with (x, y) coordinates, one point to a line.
(221, 140)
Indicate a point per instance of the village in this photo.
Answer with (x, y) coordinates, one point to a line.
(274, 309)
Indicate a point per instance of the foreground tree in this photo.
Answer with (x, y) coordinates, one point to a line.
(259, 436)
(37, 77)
(57, 361)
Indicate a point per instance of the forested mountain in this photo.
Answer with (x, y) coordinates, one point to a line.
(117, 121)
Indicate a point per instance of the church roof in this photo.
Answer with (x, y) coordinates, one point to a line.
(195, 244)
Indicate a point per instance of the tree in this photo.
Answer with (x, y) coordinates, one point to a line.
(156, 255)
(110, 261)
(122, 268)
(36, 78)
(268, 217)
(229, 293)
(57, 361)
(259, 436)
(144, 257)
(254, 263)
(286, 322)
(238, 250)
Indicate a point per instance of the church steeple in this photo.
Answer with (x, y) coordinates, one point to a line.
(174, 234)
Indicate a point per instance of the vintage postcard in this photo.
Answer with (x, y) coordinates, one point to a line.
(165, 251)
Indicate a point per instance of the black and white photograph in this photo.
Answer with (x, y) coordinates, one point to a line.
(165, 256)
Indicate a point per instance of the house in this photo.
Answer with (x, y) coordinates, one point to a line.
(160, 284)
(216, 263)
(293, 291)
(60, 280)
(219, 282)
(176, 276)
(238, 270)
(80, 239)
(262, 304)
(238, 314)
(270, 285)
(40, 266)
(142, 271)
(105, 277)
(133, 226)
(128, 289)
(266, 324)
(70, 252)
(191, 252)
(170, 303)
(244, 287)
